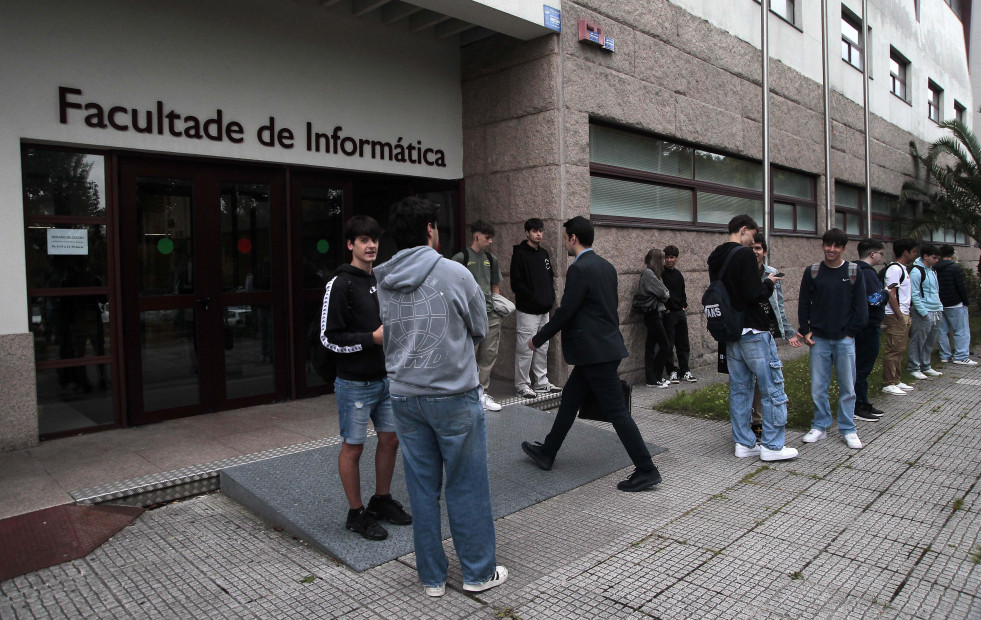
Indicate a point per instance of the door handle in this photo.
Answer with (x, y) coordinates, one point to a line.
(204, 301)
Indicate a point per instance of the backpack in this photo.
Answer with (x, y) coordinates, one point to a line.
(882, 273)
(922, 278)
(493, 260)
(724, 322)
(852, 271)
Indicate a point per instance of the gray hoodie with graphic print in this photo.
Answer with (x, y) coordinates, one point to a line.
(434, 314)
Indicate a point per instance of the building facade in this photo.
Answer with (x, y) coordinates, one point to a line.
(175, 177)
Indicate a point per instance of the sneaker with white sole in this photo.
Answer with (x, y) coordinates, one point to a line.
(489, 403)
(500, 576)
(783, 454)
(814, 435)
(904, 387)
(932, 373)
(744, 452)
(548, 388)
(894, 390)
(916, 374)
(966, 362)
(436, 591)
(526, 392)
(660, 383)
(690, 378)
(853, 441)
(943, 361)
(673, 377)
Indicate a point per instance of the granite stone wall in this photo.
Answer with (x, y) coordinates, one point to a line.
(527, 108)
(17, 392)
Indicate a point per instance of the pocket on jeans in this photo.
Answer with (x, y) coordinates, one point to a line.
(779, 403)
(776, 373)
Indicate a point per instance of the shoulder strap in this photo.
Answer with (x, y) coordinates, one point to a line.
(922, 279)
(493, 262)
(725, 263)
(852, 272)
(814, 270)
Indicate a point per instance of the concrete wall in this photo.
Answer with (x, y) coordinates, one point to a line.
(677, 75)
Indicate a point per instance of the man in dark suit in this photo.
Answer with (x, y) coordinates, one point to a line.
(591, 341)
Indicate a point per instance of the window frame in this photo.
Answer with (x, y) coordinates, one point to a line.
(853, 46)
(696, 186)
(903, 63)
(960, 112)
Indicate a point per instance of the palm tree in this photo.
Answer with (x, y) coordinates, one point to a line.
(951, 195)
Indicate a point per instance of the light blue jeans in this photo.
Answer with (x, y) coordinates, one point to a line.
(437, 432)
(955, 320)
(923, 337)
(841, 354)
(755, 355)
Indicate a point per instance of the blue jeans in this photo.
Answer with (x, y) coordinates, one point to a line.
(923, 337)
(358, 402)
(955, 320)
(447, 431)
(840, 353)
(755, 355)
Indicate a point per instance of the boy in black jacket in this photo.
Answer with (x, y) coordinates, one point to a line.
(676, 318)
(754, 355)
(953, 296)
(533, 283)
(867, 340)
(832, 309)
(351, 328)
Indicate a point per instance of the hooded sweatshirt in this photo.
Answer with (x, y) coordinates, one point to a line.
(532, 279)
(953, 287)
(742, 281)
(434, 314)
(924, 291)
(347, 323)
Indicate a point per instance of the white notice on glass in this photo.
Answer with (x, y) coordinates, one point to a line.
(68, 241)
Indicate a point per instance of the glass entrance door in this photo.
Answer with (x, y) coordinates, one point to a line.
(204, 292)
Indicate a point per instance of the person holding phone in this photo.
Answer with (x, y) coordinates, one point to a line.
(896, 323)
(870, 254)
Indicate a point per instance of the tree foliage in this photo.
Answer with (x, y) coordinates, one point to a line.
(951, 194)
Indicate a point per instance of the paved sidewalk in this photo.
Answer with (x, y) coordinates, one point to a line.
(890, 531)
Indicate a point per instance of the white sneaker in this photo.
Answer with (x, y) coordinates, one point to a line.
(966, 362)
(437, 591)
(904, 387)
(895, 390)
(853, 441)
(489, 403)
(743, 452)
(500, 576)
(932, 373)
(814, 435)
(782, 454)
(916, 374)
(673, 377)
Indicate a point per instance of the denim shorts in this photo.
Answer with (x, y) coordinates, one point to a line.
(360, 401)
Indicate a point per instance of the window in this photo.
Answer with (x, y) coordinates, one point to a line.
(783, 8)
(898, 70)
(852, 42)
(934, 101)
(955, 6)
(637, 178)
(850, 209)
(960, 112)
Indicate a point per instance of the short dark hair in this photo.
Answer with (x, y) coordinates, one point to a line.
(361, 226)
(480, 226)
(408, 219)
(671, 250)
(946, 250)
(900, 246)
(761, 239)
(836, 236)
(929, 250)
(868, 245)
(534, 223)
(742, 220)
(582, 229)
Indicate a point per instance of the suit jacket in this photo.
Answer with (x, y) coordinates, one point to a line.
(587, 316)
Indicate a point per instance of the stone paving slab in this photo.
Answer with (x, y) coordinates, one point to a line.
(837, 534)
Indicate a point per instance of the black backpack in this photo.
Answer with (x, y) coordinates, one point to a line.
(882, 273)
(725, 323)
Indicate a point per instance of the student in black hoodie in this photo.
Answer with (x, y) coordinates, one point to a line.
(676, 319)
(533, 283)
(953, 296)
(867, 340)
(351, 328)
(754, 355)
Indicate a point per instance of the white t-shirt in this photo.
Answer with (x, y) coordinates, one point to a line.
(904, 287)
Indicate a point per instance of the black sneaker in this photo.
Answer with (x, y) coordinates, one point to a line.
(537, 454)
(758, 431)
(385, 508)
(363, 523)
(865, 416)
(640, 480)
(871, 409)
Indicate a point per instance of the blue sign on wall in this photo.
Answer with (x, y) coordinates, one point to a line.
(553, 18)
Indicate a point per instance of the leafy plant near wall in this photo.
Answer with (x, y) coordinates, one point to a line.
(951, 195)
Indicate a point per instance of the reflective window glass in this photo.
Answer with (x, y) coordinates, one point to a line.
(67, 255)
(787, 183)
(719, 209)
(64, 183)
(322, 231)
(637, 152)
(69, 327)
(245, 237)
(75, 398)
(166, 254)
(639, 200)
(727, 170)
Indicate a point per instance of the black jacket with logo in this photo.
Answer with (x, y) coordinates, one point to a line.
(950, 279)
(532, 279)
(350, 316)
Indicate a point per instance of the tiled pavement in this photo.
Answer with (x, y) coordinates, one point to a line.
(889, 531)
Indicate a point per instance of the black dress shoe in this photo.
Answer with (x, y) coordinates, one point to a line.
(537, 454)
(640, 480)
